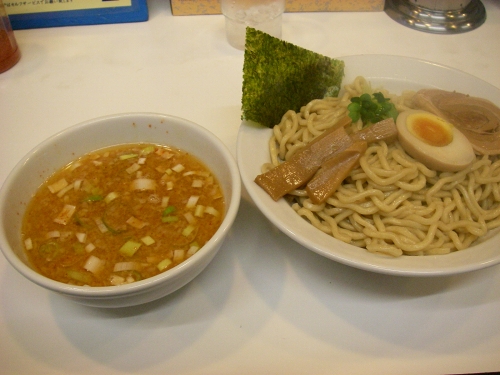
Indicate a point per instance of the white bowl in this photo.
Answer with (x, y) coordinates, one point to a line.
(395, 74)
(80, 139)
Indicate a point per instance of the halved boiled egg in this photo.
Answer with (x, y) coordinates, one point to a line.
(433, 141)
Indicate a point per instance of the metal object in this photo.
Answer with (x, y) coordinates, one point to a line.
(437, 16)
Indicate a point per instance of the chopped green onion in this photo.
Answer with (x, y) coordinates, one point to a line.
(163, 265)
(148, 240)
(50, 250)
(129, 248)
(82, 277)
(108, 227)
(371, 108)
(111, 196)
(169, 219)
(128, 156)
(135, 275)
(188, 230)
(78, 248)
(147, 150)
(168, 210)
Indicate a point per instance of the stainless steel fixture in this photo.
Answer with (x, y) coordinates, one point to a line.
(437, 16)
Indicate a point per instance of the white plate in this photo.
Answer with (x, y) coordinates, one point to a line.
(395, 74)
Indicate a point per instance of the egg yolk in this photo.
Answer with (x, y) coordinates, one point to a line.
(430, 129)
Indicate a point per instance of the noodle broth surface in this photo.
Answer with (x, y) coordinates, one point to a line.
(122, 214)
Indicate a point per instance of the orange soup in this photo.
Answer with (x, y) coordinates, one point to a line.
(122, 214)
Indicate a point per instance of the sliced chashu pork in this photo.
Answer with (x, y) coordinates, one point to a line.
(478, 119)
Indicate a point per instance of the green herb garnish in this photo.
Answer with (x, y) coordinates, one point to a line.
(371, 108)
(278, 76)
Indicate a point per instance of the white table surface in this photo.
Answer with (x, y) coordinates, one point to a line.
(265, 305)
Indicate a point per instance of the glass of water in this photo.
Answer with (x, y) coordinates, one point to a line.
(264, 15)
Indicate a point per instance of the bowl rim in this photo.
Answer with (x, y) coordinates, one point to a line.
(232, 207)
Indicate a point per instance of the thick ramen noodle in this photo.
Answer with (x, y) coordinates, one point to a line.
(391, 204)
(122, 214)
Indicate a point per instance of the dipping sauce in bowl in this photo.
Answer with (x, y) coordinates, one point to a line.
(125, 214)
(122, 214)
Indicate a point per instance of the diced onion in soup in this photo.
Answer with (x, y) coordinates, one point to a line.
(127, 266)
(100, 224)
(199, 210)
(192, 250)
(65, 190)
(116, 280)
(178, 168)
(65, 214)
(143, 184)
(94, 264)
(56, 186)
(53, 234)
(189, 217)
(136, 223)
(133, 168)
(193, 199)
(28, 244)
(82, 237)
(90, 247)
(197, 183)
(164, 201)
(77, 184)
(178, 256)
(212, 211)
